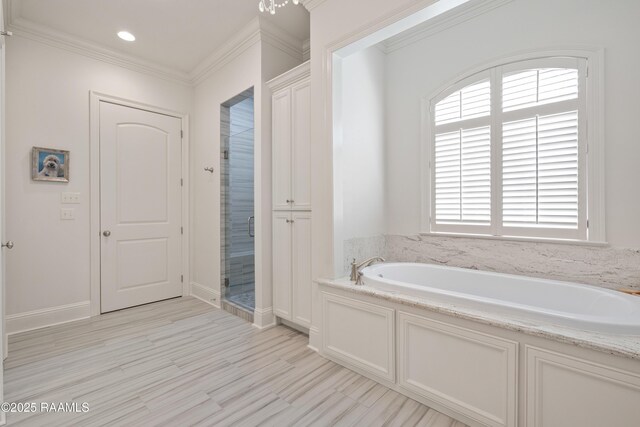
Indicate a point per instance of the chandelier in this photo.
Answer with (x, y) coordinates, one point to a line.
(272, 5)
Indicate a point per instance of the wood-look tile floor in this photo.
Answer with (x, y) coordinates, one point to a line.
(181, 362)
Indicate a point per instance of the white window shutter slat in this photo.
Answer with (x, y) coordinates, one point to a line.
(463, 176)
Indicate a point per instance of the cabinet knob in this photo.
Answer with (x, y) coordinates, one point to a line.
(8, 245)
(106, 233)
(289, 201)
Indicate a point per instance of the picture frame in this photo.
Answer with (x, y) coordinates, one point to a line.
(49, 164)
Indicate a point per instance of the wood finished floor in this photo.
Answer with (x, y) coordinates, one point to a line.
(181, 362)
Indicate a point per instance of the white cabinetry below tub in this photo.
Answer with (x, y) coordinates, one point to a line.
(566, 391)
(360, 334)
(480, 374)
(472, 373)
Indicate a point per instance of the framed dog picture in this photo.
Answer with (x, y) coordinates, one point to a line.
(48, 164)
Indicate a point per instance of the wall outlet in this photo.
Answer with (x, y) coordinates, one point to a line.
(67, 214)
(70, 198)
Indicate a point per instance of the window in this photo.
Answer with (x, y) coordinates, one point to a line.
(508, 152)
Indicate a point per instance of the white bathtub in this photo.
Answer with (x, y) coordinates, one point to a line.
(573, 305)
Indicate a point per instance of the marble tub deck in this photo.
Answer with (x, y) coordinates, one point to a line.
(620, 345)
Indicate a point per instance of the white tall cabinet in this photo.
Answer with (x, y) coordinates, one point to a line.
(292, 196)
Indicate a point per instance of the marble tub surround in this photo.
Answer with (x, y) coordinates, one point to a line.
(604, 266)
(363, 248)
(619, 345)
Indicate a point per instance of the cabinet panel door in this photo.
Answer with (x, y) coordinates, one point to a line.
(360, 334)
(281, 148)
(301, 154)
(282, 230)
(471, 373)
(563, 391)
(301, 268)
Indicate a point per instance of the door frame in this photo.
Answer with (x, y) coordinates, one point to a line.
(94, 149)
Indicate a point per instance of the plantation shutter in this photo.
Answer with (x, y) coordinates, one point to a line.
(540, 149)
(507, 155)
(462, 155)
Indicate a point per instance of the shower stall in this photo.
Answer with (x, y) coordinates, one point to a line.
(237, 199)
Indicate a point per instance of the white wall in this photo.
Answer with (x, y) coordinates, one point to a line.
(359, 153)
(423, 67)
(333, 22)
(363, 143)
(252, 68)
(48, 105)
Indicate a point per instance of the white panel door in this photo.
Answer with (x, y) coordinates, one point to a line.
(301, 268)
(282, 229)
(281, 147)
(140, 202)
(301, 146)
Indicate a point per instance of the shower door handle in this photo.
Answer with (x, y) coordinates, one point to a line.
(249, 221)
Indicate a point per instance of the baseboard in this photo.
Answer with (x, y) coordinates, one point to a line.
(208, 295)
(314, 339)
(294, 326)
(263, 318)
(51, 316)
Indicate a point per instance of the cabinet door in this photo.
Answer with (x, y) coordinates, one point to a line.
(563, 390)
(301, 141)
(301, 281)
(282, 230)
(281, 149)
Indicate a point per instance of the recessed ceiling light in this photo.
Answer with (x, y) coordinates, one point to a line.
(127, 36)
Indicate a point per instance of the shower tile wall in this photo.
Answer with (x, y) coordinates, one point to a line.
(237, 187)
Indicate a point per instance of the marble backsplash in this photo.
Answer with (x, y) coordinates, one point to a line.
(363, 248)
(607, 267)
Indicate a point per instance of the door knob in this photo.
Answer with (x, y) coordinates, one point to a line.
(8, 245)
(106, 233)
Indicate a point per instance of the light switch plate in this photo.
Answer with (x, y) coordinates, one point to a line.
(67, 214)
(70, 198)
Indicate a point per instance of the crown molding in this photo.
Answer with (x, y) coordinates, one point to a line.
(226, 53)
(257, 30)
(306, 50)
(29, 30)
(440, 23)
(280, 39)
(312, 4)
(294, 75)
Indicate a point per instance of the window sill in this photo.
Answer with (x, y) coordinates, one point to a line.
(518, 239)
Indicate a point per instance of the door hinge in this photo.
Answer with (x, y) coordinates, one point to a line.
(181, 230)
(225, 154)
(181, 182)
(181, 278)
(587, 223)
(181, 133)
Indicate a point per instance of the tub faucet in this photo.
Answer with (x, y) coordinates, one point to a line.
(356, 274)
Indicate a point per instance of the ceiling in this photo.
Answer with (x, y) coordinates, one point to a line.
(175, 34)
